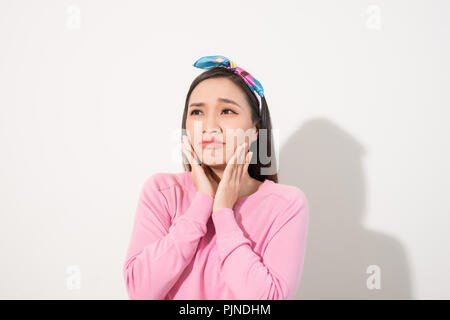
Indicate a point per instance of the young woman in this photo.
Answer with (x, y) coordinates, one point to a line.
(225, 228)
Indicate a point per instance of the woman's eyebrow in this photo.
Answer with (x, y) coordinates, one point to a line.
(228, 101)
(225, 100)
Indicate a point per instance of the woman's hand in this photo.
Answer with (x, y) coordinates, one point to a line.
(200, 173)
(228, 190)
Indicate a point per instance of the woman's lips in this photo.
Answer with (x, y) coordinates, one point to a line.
(212, 144)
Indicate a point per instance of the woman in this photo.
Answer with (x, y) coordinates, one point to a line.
(225, 228)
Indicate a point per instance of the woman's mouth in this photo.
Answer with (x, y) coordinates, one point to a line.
(212, 144)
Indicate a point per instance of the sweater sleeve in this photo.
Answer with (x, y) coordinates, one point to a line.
(159, 250)
(275, 275)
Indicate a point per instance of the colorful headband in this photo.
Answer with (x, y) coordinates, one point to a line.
(208, 62)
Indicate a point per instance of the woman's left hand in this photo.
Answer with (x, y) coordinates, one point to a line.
(228, 189)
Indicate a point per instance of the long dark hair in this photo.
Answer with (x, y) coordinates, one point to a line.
(261, 121)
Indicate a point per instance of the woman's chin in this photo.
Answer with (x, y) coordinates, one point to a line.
(213, 163)
(211, 159)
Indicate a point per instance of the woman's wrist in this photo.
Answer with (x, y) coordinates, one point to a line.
(221, 209)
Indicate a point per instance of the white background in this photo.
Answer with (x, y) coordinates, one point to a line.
(91, 102)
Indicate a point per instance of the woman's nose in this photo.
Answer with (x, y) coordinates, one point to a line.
(211, 125)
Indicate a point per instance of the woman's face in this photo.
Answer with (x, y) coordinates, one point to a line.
(218, 110)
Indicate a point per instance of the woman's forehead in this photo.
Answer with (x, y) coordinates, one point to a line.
(209, 90)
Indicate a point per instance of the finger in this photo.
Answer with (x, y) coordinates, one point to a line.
(244, 153)
(247, 162)
(240, 164)
(248, 158)
(227, 174)
(184, 150)
(188, 156)
(244, 158)
(185, 158)
(190, 152)
(195, 155)
(198, 160)
(235, 174)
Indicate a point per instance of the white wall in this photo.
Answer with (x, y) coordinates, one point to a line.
(92, 93)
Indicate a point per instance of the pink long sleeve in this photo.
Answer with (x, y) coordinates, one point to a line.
(180, 250)
(160, 249)
(276, 274)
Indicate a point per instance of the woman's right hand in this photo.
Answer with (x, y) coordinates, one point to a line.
(200, 173)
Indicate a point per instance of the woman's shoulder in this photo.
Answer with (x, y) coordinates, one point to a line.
(286, 193)
(165, 180)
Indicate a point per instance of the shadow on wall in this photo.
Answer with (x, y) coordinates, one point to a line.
(326, 163)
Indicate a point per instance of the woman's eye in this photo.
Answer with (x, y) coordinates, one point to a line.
(194, 111)
(225, 110)
(230, 110)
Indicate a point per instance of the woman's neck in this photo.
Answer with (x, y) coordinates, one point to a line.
(248, 185)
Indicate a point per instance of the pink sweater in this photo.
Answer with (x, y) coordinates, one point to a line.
(179, 250)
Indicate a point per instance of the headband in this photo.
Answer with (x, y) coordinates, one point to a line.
(208, 62)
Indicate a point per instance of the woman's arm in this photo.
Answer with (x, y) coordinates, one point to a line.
(159, 251)
(275, 275)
